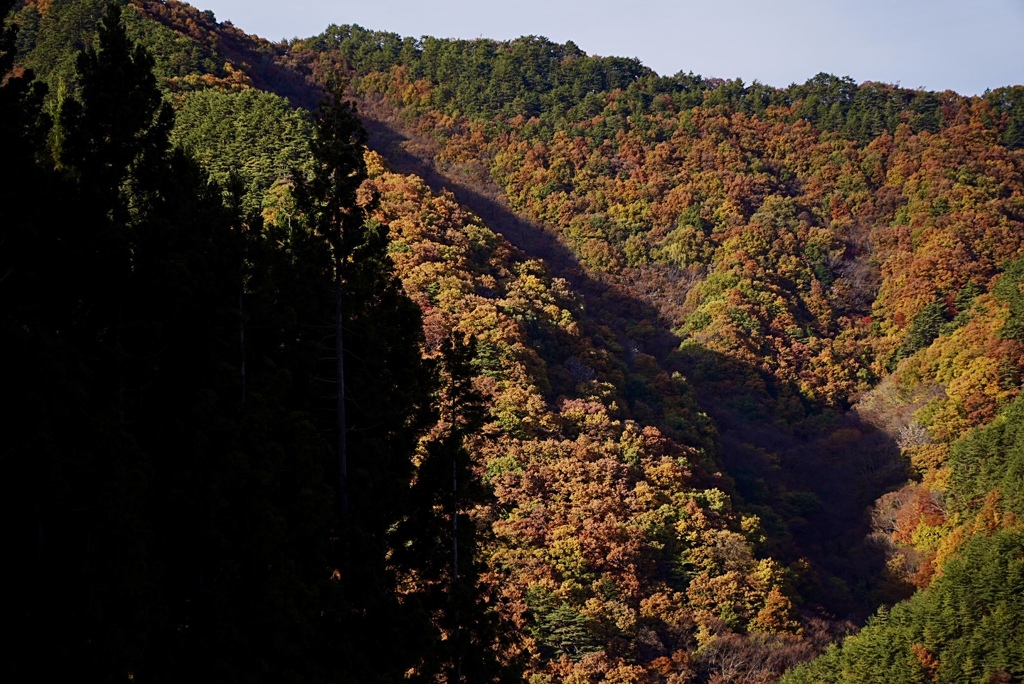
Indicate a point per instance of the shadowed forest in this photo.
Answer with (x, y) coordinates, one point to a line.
(366, 358)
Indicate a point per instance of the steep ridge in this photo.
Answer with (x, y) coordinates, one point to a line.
(606, 301)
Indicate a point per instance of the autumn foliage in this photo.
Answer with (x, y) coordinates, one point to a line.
(751, 285)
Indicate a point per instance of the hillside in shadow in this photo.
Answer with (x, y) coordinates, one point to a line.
(812, 481)
(811, 477)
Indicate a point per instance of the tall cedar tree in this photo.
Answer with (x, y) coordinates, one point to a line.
(75, 479)
(31, 480)
(443, 539)
(381, 407)
(119, 129)
(24, 177)
(328, 199)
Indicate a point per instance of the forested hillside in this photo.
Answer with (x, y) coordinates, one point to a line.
(579, 373)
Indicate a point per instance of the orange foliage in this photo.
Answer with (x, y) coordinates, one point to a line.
(588, 506)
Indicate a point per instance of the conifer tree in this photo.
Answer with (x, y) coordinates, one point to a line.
(382, 402)
(118, 132)
(84, 474)
(328, 198)
(443, 541)
(25, 175)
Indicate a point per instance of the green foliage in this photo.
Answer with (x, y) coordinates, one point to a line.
(175, 55)
(961, 629)
(249, 139)
(1010, 289)
(863, 112)
(526, 76)
(559, 626)
(926, 326)
(689, 244)
(991, 459)
(962, 304)
(559, 83)
(1009, 102)
(23, 123)
(118, 131)
(54, 39)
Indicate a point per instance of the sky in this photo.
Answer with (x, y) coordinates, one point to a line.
(963, 45)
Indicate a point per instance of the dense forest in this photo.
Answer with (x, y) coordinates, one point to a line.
(362, 358)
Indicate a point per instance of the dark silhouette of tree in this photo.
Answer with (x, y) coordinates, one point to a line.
(25, 175)
(118, 131)
(443, 538)
(382, 403)
(179, 534)
(328, 198)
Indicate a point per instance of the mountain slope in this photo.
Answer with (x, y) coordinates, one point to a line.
(720, 315)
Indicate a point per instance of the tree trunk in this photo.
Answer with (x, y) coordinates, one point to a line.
(339, 348)
(241, 338)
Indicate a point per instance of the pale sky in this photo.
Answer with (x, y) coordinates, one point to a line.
(961, 45)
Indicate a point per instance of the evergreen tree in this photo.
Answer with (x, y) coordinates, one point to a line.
(25, 175)
(381, 406)
(328, 198)
(84, 476)
(118, 132)
(442, 538)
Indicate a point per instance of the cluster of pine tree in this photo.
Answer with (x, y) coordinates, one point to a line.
(557, 83)
(210, 470)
